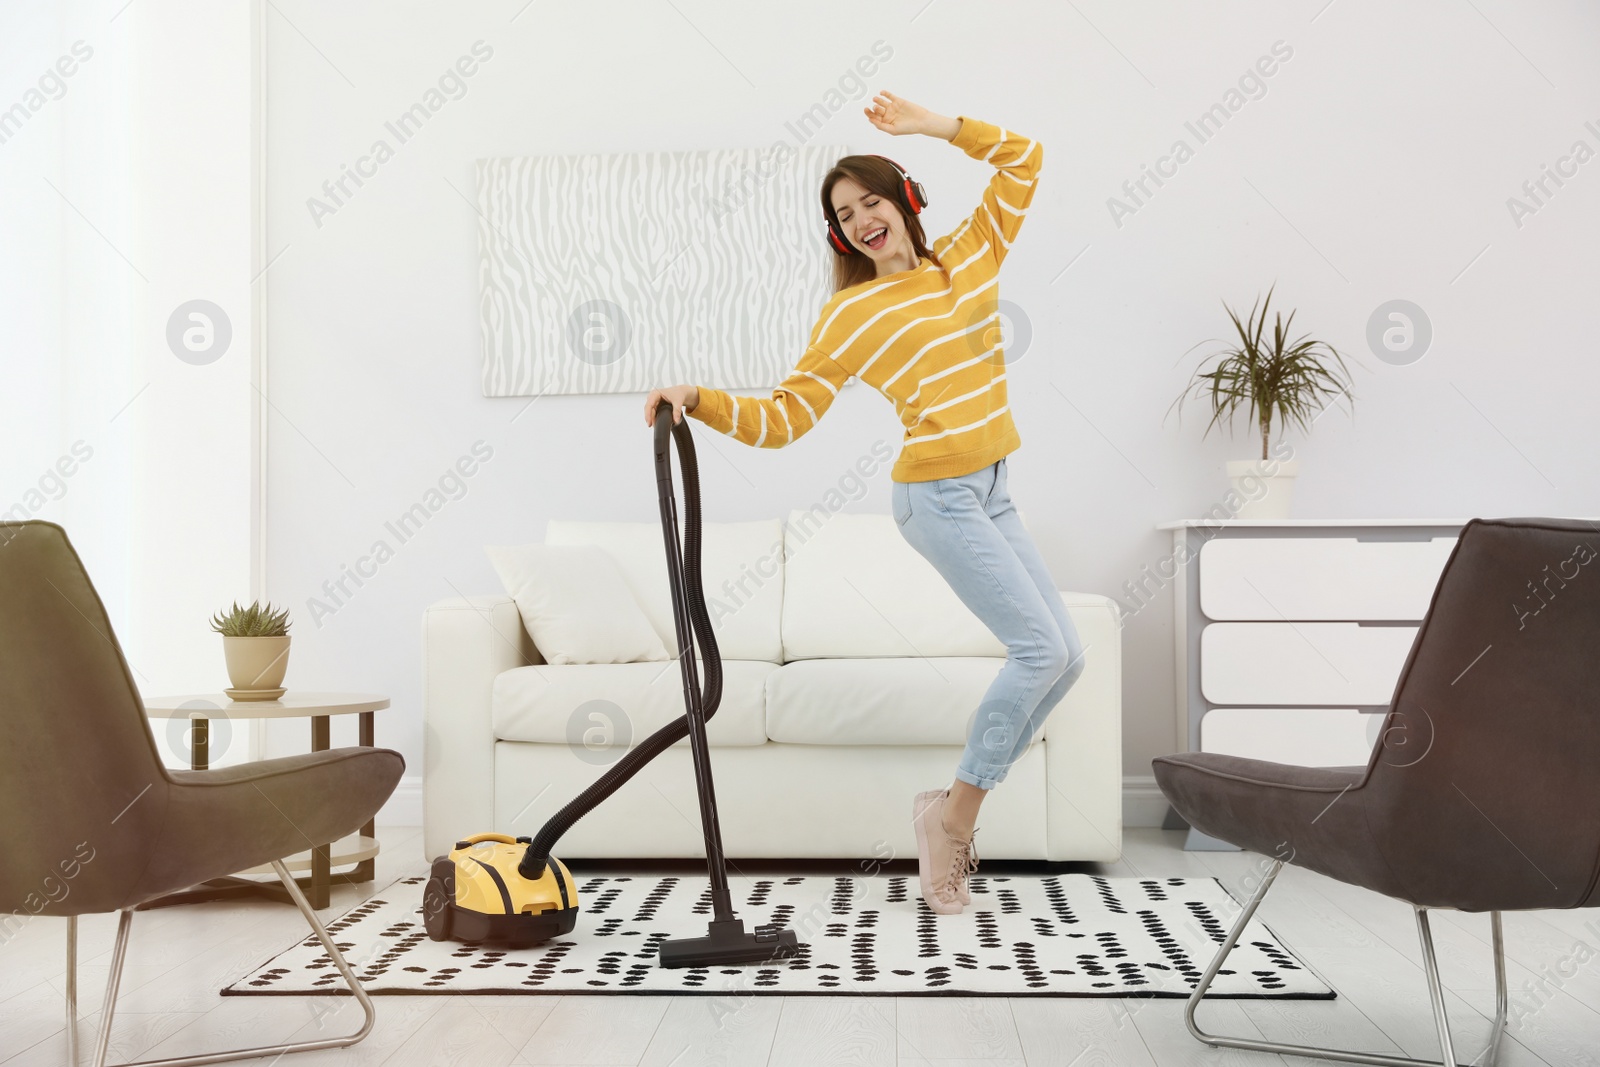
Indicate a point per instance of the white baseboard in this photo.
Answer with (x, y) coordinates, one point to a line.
(1143, 803)
(404, 807)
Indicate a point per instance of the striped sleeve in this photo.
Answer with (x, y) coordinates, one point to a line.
(796, 405)
(998, 218)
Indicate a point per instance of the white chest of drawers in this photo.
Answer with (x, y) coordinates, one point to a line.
(1290, 634)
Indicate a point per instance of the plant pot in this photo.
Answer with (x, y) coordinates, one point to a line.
(256, 662)
(1265, 486)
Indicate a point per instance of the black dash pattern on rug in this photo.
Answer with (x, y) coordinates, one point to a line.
(1053, 935)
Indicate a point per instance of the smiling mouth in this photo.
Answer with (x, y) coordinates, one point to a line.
(877, 239)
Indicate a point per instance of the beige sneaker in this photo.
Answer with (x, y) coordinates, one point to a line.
(937, 852)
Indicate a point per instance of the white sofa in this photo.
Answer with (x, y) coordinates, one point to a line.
(851, 673)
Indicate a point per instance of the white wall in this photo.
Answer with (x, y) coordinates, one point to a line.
(1377, 165)
(192, 174)
(30, 286)
(125, 191)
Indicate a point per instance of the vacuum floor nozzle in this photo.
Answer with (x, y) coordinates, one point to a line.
(727, 942)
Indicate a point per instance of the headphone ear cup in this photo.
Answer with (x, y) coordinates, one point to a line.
(912, 195)
(836, 240)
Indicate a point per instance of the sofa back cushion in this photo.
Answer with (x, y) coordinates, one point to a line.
(741, 569)
(853, 587)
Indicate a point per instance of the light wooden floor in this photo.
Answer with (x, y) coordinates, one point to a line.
(1364, 944)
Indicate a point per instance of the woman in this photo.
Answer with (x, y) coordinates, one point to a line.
(914, 323)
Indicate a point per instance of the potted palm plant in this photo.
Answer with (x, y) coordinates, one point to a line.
(1271, 377)
(255, 642)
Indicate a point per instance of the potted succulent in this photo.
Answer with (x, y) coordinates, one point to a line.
(255, 641)
(1269, 376)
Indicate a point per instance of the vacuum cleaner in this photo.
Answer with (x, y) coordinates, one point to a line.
(492, 887)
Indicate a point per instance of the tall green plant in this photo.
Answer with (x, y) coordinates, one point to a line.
(1272, 376)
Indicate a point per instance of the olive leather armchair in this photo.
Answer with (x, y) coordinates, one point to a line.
(1482, 793)
(93, 821)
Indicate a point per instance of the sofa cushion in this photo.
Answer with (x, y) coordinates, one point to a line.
(575, 604)
(884, 701)
(853, 587)
(741, 572)
(598, 705)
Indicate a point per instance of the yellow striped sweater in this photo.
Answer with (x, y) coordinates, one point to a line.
(927, 338)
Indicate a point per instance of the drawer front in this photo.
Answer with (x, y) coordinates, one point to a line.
(1338, 663)
(1304, 737)
(1320, 577)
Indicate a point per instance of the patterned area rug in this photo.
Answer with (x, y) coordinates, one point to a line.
(1057, 935)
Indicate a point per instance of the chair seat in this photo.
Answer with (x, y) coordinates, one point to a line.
(234, 818)
(1313, 817)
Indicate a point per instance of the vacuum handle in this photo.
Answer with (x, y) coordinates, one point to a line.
(663, 426)
(504, 839)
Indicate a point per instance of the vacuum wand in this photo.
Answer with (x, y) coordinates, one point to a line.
(722, 904)
(726, 941)
(544, 842)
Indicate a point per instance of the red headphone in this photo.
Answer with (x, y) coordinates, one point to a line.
(912, 199)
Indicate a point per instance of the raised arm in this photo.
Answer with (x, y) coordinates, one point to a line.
(796, 405)
(1017, 161)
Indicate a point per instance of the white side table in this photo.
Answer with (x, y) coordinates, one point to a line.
(200, 709)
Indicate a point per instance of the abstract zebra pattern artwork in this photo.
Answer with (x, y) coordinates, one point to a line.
(621, 273)
(1052, 935)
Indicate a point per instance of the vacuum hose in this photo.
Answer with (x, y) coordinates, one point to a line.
(534, 860)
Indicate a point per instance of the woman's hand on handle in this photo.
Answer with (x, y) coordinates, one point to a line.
(895, 115)
(683, 398)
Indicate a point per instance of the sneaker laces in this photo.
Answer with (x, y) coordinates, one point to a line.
(963, 862)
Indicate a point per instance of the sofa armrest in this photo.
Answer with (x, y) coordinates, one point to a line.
(1083, 741)
(466, 643)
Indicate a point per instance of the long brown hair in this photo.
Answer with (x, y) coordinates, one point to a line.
(879, 177)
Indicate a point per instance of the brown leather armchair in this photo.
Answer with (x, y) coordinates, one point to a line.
(1480, 795)
(93, 821)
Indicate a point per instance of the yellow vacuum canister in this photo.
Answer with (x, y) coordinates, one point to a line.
(476, 894)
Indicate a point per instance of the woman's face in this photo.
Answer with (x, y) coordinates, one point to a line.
(864, 214)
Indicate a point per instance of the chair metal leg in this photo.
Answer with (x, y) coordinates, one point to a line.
(1435, 988)
(1493, 1051)
(118, 954)
(125, 923)
(72, 991)
(1435, 993)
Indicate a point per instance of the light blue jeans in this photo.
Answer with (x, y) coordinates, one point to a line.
(968, 528)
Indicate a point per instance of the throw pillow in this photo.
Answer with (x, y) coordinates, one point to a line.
(576, 604)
